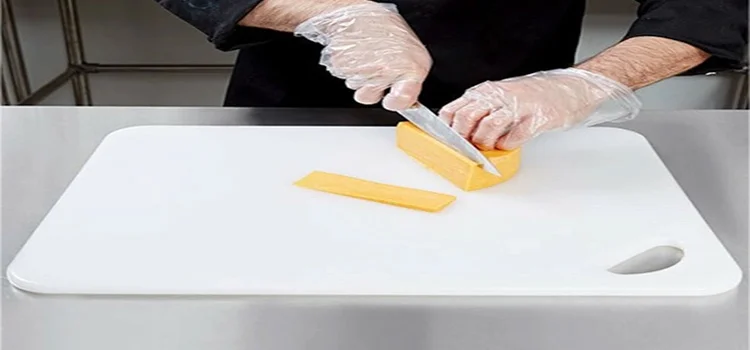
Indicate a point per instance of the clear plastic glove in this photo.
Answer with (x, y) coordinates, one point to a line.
(373, 48)
(505, 114)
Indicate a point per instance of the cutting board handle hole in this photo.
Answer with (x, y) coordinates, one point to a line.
(652, 260)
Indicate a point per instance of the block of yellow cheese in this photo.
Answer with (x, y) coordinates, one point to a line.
(374, 191)
(453, 166)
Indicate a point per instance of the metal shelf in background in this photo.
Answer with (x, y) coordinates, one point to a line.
(17, 90)
(15, 79)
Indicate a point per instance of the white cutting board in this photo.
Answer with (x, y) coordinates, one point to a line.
(212, 210)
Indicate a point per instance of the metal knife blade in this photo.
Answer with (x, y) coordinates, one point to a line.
(430, 123)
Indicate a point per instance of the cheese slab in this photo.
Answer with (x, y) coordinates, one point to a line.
(453, 166)
(411, 198)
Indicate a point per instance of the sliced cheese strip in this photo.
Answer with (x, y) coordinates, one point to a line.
(377, 192)
(453, 166)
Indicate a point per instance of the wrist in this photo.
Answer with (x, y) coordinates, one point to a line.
(605, 73)
(339, 19)
(614, 71)
(601, 80)
(286, 15)
(590, 85)
(609, 99)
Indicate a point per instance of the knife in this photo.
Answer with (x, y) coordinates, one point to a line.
(430, 123)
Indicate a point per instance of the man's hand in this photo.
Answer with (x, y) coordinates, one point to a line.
(505, 114)
(373, 49)
(367, 44)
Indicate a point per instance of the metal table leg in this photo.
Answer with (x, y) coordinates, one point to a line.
(71, 25)
(12, 54)
(78, 69)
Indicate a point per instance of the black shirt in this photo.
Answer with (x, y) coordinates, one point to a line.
(470, 41)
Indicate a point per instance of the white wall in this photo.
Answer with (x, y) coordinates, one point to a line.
(126, 31)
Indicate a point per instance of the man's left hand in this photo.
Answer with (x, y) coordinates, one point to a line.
(505, 114)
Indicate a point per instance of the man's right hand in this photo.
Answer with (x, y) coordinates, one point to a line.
(373, 48)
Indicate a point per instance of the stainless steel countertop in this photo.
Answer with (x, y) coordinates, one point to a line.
(44, 147)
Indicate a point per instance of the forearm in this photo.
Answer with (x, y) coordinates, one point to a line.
(285, 15)
(641, 61)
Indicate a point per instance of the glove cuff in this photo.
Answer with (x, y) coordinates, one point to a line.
(619, 105)
(320, 28)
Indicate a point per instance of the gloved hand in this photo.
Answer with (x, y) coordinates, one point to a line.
(505, 114)
(373, 48)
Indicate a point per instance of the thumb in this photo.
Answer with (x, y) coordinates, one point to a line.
(518, 135)
(402, 94)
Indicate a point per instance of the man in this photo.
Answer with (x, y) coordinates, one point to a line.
(503, 71)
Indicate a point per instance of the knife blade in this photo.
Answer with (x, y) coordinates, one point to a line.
(430, 123)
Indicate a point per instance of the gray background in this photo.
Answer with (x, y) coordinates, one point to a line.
(139, 31)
